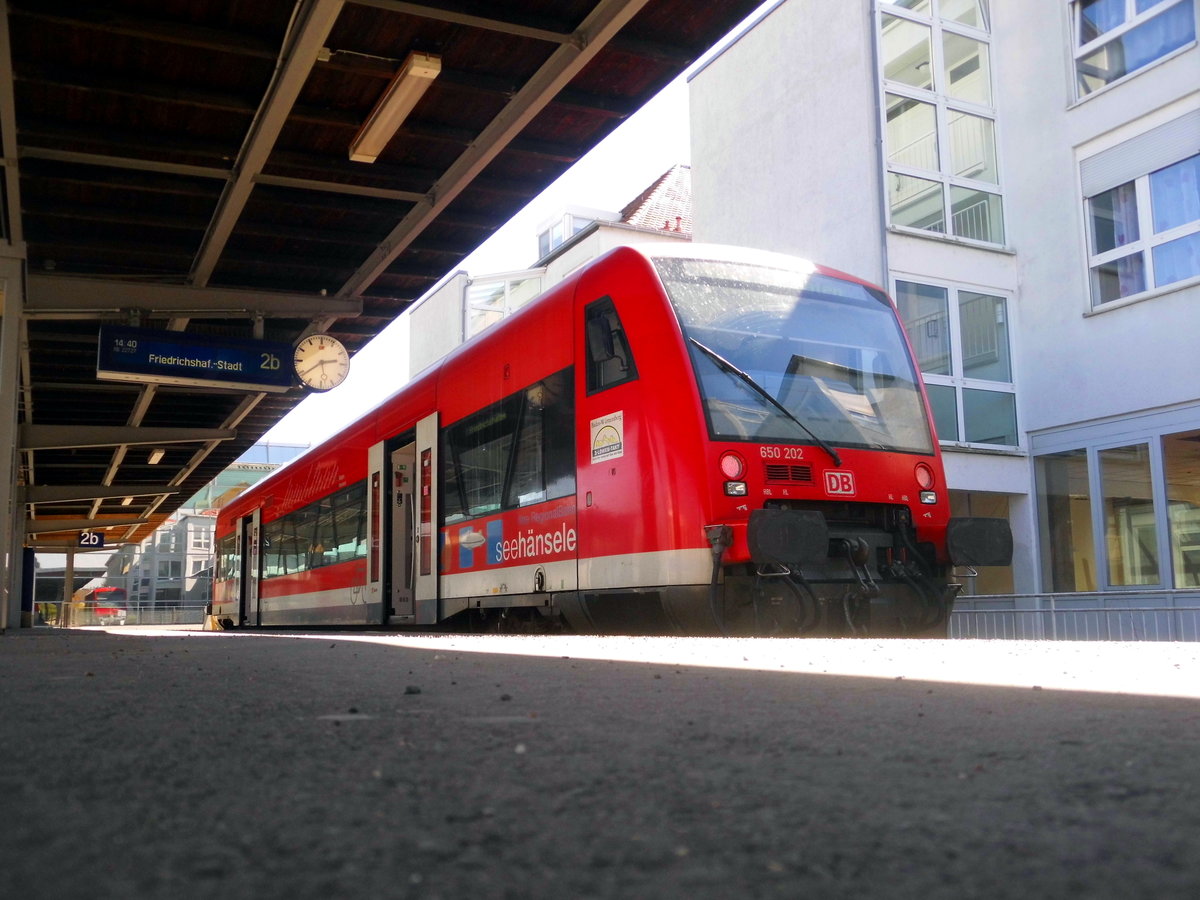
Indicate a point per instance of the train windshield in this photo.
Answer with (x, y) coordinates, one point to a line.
(827, 358)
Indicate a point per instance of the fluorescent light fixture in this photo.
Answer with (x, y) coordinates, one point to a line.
(156, 456)
(127, 501)
(406, 88)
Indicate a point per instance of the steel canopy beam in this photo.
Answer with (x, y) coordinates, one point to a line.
(65, 493)
(49, 526)
(67, 297)
(314, 21)
(425, 11)
(568, 59)
(62, 437)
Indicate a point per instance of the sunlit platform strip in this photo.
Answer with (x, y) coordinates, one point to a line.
(1156, 669)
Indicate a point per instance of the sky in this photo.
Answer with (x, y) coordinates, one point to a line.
(617, 170)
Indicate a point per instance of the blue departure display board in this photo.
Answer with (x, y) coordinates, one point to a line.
(167, 357)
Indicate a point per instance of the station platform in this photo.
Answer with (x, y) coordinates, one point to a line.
(183, 763)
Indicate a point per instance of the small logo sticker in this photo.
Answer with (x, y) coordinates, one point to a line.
(608, 437)
(840, 483)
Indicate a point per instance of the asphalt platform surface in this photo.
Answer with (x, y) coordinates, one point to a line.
(180, 764)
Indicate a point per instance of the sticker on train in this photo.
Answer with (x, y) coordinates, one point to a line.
(541, 534)
(608, 437)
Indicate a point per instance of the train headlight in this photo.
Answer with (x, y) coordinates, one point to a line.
(925, 477)
(929, 497)
(732, 466)
(735, 489)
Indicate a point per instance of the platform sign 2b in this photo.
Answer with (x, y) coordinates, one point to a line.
(150, 356)
(92, 540)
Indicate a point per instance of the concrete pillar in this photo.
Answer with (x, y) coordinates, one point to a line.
(12, 510)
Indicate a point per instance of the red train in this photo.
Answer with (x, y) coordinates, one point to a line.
(676, 439)
(103, 605)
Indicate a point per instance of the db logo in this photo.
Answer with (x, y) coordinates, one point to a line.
(839, 483)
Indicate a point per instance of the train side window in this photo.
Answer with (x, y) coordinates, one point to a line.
(513, 453)
(228, 560)
(331, 530)
(341, 527)
(480, 450)
(609, 359)
(543, 462)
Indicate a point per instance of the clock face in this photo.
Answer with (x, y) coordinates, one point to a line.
(322, 363)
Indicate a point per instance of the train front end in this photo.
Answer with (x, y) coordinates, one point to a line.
(829, 508)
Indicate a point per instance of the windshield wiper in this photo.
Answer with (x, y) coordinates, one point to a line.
(765, 394)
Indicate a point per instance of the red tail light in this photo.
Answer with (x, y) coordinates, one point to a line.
(732, 466)
(925, 476)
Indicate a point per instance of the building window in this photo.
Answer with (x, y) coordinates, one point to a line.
(939, 118)
(1065, 509)
(489, 300)
(1114, 38)
(1122, 517)
(961, 341)
(202, 539)
(1145, 233)
(1181, 465)
(559, 232)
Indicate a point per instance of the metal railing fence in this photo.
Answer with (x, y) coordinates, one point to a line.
(78, 614)
(1132, 616)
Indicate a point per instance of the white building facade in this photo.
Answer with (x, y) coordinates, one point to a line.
(1024, 177)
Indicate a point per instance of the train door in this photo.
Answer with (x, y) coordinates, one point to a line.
(425, 534)
(613, 493)
(403, 545)
(377, 540)
(249, 537)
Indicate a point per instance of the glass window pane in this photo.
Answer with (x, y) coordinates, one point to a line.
(969, 12)
(906, 52)
(967, 75)
(1099, 16)
(944, 406)
(973, 147)
(1065, 511)
(1130, 533)
(912, 133)
(925, 312)
(1177, 260)
(983, 322)
(1175, 194)
(1181, 461)
(521, 291)
(1174, 27)
(1167, 31)
(1118, 278)
(990, 417)
(1114, 218)
(977, 215)
(916, 202)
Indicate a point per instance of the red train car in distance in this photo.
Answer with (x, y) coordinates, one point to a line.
(105, 605)
(675, 439)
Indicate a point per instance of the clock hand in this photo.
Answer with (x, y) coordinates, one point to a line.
(317, 365)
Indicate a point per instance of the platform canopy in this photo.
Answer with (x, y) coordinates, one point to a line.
(243, 171)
